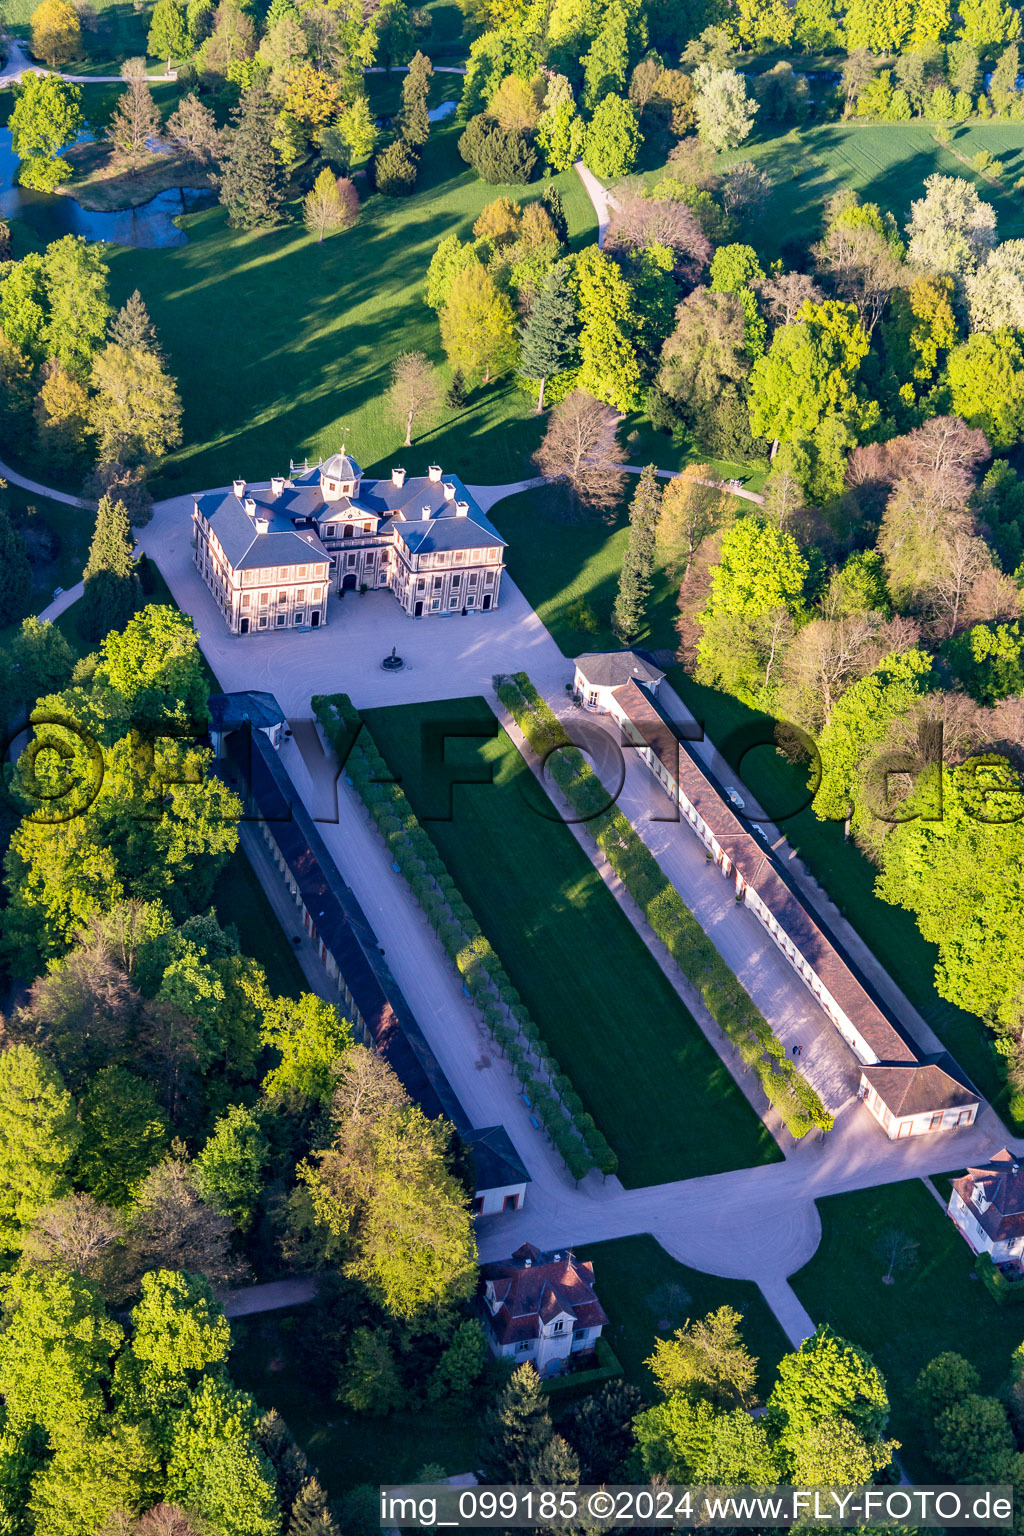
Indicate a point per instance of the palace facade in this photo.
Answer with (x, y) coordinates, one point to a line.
(272, 554)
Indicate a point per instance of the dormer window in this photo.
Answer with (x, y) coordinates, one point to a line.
(329, 531)
(559, 1326)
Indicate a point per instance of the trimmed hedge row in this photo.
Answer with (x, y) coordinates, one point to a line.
(728, 1002)
(553, 1099)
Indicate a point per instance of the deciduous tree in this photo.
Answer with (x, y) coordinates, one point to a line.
(415, 390)
(56, 33)
(329, 205)
(168, 31)
(136, 410)
(39, 1135)
(47, 117)
(478, 326)
(581, 449)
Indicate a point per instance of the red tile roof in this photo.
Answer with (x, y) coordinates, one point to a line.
(928, 1086)
(532, 1288)
(1002, 1184)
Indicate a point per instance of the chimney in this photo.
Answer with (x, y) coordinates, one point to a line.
(250, 506)
(434, 472)
(262, 524)
(276, 485)
(449, 491)
(527, 1263)
(398, 478)
(424, 514)
(238, 486)
(462, 509)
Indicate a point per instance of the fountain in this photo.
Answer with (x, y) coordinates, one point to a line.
(394, 662)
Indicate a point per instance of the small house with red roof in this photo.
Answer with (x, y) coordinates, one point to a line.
(541, 1307)
(987, 1205)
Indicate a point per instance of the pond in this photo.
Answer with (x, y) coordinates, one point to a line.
(52, 215)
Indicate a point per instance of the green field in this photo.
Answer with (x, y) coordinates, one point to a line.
(646, 1293)
(932, 1305)
(885, 163)
(644, 1070)
(283, 348)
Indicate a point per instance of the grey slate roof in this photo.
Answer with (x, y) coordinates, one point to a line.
(611, 669)
(496, 1163)
(228, 711)
(297, 516)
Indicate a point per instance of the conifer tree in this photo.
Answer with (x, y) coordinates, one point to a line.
(310, 1515)
(132, 327)
(516, 1429)
(112, 590)
(414, 117)
(638, 566)
(455, 395)
(549, 335)
(250, 173)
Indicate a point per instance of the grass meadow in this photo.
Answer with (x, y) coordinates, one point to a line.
(932, 1304)
(646, 1073)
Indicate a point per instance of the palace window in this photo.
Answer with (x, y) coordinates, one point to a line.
(281, 618)
(329, 531)
(282, 597)
(264, 599)
(300, 596)
(245, 599)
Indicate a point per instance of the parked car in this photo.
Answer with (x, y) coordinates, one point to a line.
(737, 799)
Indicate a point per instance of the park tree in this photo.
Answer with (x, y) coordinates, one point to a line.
(215, 1467)
(62, 415)
(311, 97)
(249, 180)
(192, 129)
(828, 1376)
(1003, 85)
(985, 379)
(112, 590)
(132, 327)
(168, 31)
(514, 105)
(124, 1134)
(55, 1355)
(478, 326)
(725, 113)
(330, 204)
(229, 1169)
(47, 117)
(561, 136)
(988, 24)
(833, 1450)
(881, 26)
(413, 118)
(918, 334)
(311, 1038)
(950, 229)
(609, 369)
(383, 1189)
(415, 390)
(516, 1428)
(862, 257)
(500, 156)
(232, 40)
(371, 1382)
(692, 507)
(79, 308)
(808, 373)
(707, 1357)
(606, 62)
(178, 1333)
(581, 450)
(135, 117)
(704, 368)
(636, 575)
(755, 604)
(548, 339)
(56, 33)
(76, 1235)
(39, 1134)
(613, 138)
(170, 1226)
(945, 870)
(136, 409)
(460, 1367)
(995, 290)
(945, 1380)
(40, 656)
(395, 169)
(988, 659)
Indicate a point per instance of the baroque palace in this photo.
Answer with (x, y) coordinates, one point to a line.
(272, 554)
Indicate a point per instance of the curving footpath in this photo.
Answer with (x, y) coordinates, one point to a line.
(759, 1224)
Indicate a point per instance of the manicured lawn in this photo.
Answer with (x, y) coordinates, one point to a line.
(647, 1293)
(283, 348)
(239, 899)
(345, 1448)
(558, 563)
(885, 163)
(650, 1079)
(931, 1306)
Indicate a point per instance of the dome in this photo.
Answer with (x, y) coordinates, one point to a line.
(340, 467)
